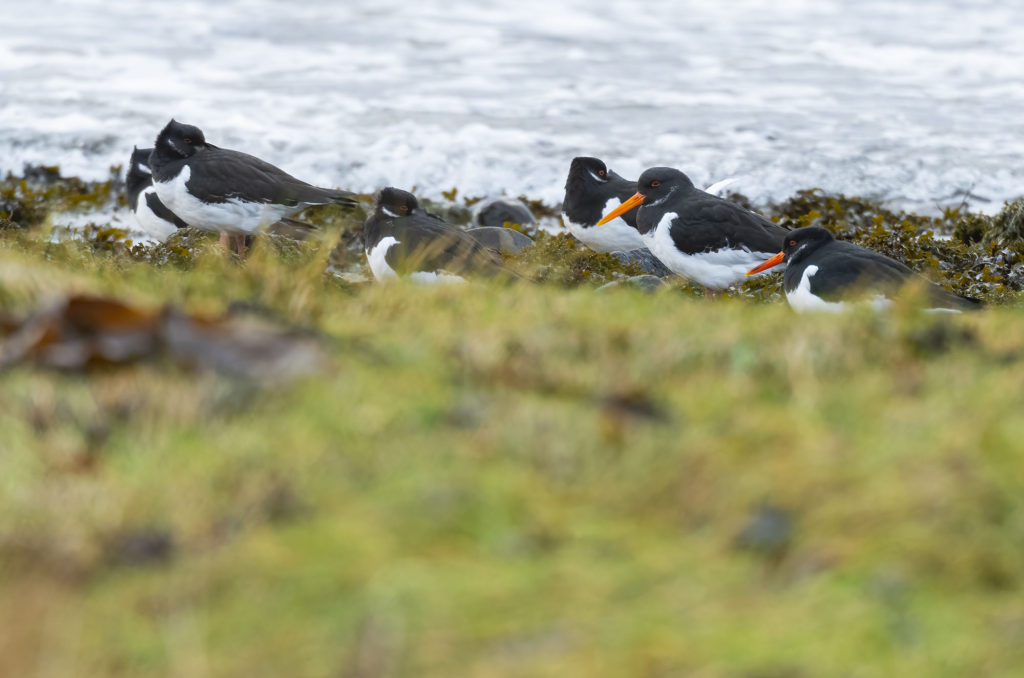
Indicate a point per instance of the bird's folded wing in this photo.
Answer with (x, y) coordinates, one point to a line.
(715, 224)
(429, 244)
(231, 175)
(860, 272)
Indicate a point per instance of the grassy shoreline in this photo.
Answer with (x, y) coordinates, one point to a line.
(509, 481)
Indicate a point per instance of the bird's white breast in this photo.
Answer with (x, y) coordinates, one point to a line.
(802, 300)
(377, 258)
(436, 278)
(615, 236)
(232, 215)
(148, 221)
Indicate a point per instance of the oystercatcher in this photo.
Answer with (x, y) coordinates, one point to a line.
(222, 190)
(825, 274)
(698, 235)
(589, 189)
(152, 215)
(403, 239)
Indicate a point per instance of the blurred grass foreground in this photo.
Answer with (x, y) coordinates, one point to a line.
(521, 480)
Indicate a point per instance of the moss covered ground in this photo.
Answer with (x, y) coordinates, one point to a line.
(521, 480)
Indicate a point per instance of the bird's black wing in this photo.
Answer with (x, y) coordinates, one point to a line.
(848, 272)
(705, 222)
(425, 243)
(219, 175)
(290, 228)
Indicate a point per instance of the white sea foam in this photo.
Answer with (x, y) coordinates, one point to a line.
(910, 101)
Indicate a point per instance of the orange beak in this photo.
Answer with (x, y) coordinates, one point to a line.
(622, 209)
(774, 261)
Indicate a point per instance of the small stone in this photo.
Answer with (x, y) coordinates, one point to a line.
(501, 211)
(648, 262)
(769, 532)
(140, 547)
(506, 240)
(644, 283)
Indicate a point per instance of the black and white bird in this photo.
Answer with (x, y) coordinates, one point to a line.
(152, 215)
(218, 189)
(825, 274)
(697, 235)
(591, 190)
(401, 239)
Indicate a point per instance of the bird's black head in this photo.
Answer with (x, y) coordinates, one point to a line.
(587, 170)
(394, 202)
(798, 243)
(654, 187)
(802, 241)
(589, 187)
(140, 160)
(592, 175)
(658, 183)
(179, 141)
(139, 175)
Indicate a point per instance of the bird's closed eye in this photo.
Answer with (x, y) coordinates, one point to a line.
(655, 184)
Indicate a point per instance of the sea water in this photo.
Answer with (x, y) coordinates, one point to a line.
(915, 102)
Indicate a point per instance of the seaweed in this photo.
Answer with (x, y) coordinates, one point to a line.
(970, 261)
(26, 201)
(560, 259)
(975, 255)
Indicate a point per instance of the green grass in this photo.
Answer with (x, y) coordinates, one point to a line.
(514, 481)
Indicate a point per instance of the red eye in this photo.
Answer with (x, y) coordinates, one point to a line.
(792, 243)
(655, 184)
(601, 172)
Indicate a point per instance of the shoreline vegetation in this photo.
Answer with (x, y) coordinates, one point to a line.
(973, 254)
(512, 480)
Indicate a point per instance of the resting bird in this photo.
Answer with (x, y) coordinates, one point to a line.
(403, 239)
(152, 215)
(825, 274)
(222, 190)
(697, 235)
(590, 189)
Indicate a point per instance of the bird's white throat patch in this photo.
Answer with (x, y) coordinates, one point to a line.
(148, 221)
(376, 257)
